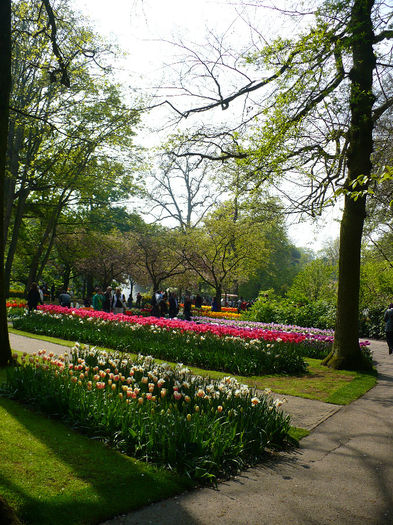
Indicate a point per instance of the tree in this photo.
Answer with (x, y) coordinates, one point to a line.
(152, 257)
(226, 249)
(104, 258)
(56, 64)
(57, 145)
(5, 88)
(283, 262)
(316, 281)
(315, 118)
(180, 190)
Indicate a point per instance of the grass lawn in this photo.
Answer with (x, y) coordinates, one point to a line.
(340, 387)
(53, 475)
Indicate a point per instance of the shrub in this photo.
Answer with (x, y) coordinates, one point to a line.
(371, 322)
(273, 309)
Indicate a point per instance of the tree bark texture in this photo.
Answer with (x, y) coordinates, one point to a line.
(5, 88)
(346, 352)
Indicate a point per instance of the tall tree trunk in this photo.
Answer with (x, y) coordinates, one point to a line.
(346, 351)
(34, 264)
(15, 141)
(66, 276)
(48, 250)
(50, 230)
(5, 88)
(23, 194)
(218, 297)
(89, 285)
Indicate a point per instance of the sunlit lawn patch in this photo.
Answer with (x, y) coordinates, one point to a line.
(53, 475)
(320, 382)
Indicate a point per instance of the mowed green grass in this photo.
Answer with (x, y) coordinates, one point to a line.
(51, 475)
(340, 387)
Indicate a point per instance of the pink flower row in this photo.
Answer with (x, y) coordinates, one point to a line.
(179, 325)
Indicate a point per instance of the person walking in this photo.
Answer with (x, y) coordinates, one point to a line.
(163, 306)
(33, 297)
(388, 318)
(118, 305)
(98, 300)
(198, 301)
(173, 305)
(129, 301)
(65, 299)
(187, 308)
(214, 305)
(106, 303)
(138, 300)
(155, 305)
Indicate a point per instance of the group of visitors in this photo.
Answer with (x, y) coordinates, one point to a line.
(37, 294)
(109, 301)
(163, 304)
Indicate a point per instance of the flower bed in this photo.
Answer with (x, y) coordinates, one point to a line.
(15, 304)
(177, 324)
(206, 308)
(207, 346)
(15, 307)
(202, 428)
(216, 315)
(313, 335)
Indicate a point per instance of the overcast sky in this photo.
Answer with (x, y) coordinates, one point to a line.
(141, 27)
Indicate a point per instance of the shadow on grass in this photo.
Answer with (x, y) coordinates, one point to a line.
(93, 482)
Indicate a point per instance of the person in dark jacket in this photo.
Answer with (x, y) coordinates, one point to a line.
(187, 308)
(65, 299)
(33, 297)
(388, 318)
(173, 305)
(107, 302)
(129, 301)
(163, 306)
(198, 301)
(214, 305)
(155, 307)
(118, 305)
(138, 300)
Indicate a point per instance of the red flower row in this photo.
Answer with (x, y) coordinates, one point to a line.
(179, 325)
(15, 305)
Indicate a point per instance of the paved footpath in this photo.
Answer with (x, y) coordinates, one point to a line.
(342, 474)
